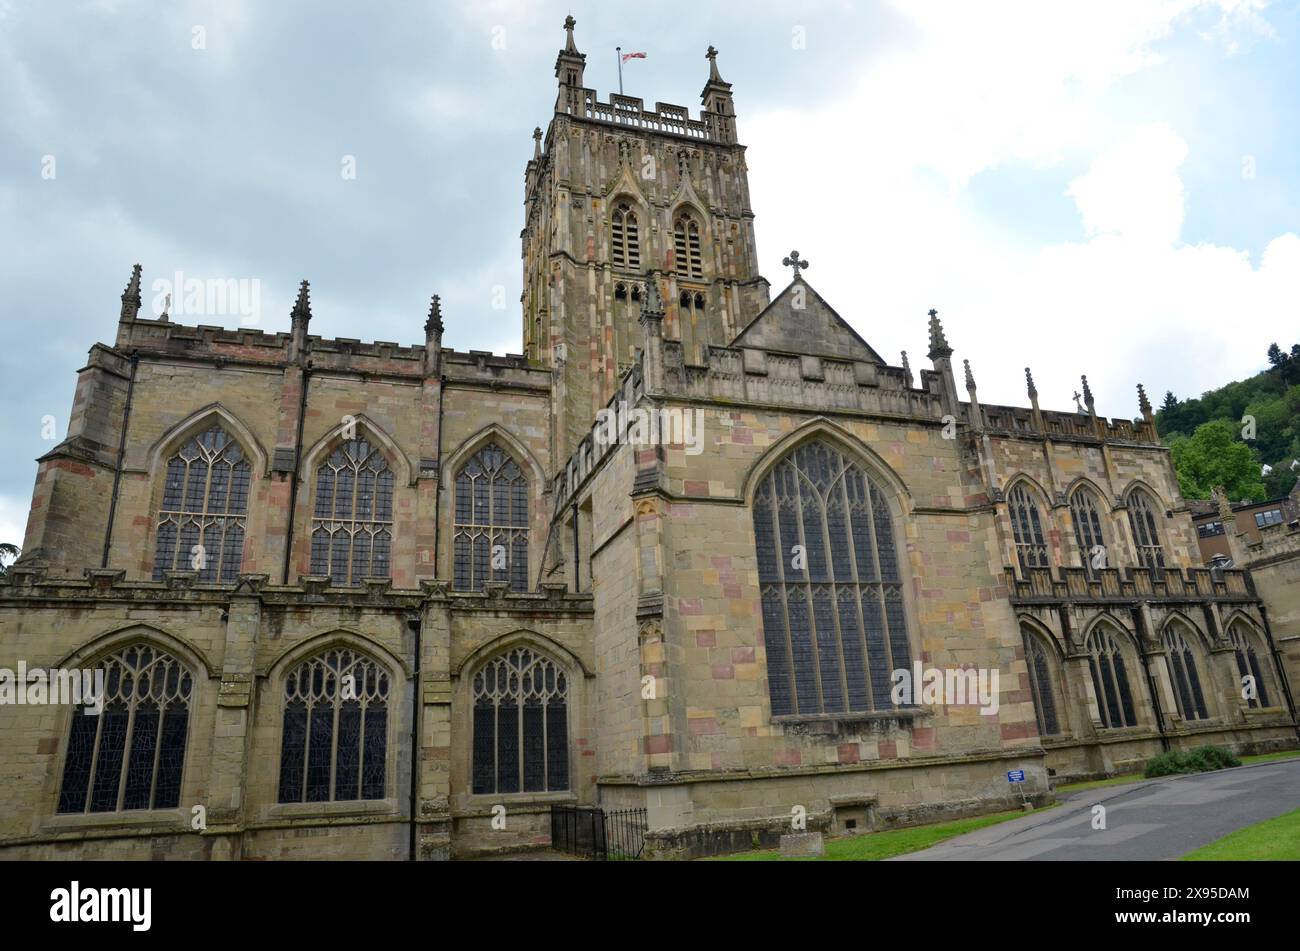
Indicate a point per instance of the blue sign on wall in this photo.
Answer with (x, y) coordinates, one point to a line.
(1016, 776)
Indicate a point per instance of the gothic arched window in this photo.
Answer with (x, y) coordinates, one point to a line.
(1249, 666)
(686, 247)
(352, 527)
(1110, 679)
(1146, 536)
(1186, 681)
(1027, 528)
(335, 740)
(521, 725)
(491, 525)
(625, 240)
(1085, 512)
(833, 618)
(205, 500)
(131, 754)
(1040, 683)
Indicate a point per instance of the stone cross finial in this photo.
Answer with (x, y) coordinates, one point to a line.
(131, 296)
(569, 24)
(793, 261)
(1029, 379)
(938, 342)
(712, 57)
(434, 324)
(1078, 407)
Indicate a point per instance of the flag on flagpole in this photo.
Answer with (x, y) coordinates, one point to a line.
(628, 56)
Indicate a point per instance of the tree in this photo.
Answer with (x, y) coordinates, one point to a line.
(1214, 455)
(8, 555)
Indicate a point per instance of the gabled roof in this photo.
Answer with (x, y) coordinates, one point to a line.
(800, 321)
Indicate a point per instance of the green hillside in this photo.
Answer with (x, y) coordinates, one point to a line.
(1211, 440)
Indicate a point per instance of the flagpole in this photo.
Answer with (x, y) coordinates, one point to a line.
(618, 51)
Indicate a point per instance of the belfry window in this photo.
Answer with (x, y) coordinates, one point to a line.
(624, 238)
(1110, 680)
(202, 521)
(352, 527)
(833, 618)
(335, 729)
(132, 753)
(1027, 529)
(686, 247)
(1146, 536)
(1085, 512)
(521, 726)
(490, 537)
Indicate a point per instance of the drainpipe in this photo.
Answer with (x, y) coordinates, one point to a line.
(1140, 626)
(121, 454)
(297, 466)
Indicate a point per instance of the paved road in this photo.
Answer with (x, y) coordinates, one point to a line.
(1154, 819)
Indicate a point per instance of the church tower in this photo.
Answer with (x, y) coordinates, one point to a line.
(614, 193)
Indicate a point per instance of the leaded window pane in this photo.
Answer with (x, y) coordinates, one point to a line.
(1027, 529)
(1085, 512)
(834, 626)
(1040, 682)
(521, 740)
(201, 523)
(1110, 680)
(1248, 665)
(335, 737)
(351, 530)
(1142, 519)
(1186, 681)
(135, 747)
(490, 540)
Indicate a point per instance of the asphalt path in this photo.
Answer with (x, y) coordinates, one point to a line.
(1153, 819)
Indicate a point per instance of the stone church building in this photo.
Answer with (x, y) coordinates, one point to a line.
(376, 600)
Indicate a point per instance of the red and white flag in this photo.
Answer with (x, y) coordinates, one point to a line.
(628, 56)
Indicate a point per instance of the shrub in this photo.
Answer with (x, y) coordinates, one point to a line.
(1203, 759)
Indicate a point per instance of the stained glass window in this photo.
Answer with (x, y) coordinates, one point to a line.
(1186, 681)
(491, 522)
(1040, 682)
(1110, 679)
(201, 523)
(335, 736)
(131, 754)
(352, 527)
(1249, 665)
(1027, 528)
(1085, 512)
(1142, 519)
(521, 733)
(833, 618)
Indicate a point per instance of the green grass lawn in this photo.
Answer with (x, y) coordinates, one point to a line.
(1273, 840)
(874, 846)
(1138, 777)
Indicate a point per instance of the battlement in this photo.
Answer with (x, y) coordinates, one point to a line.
(630, 112)
(1115, 585)
(1022, 421)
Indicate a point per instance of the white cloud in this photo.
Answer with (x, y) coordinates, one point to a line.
(874, 189)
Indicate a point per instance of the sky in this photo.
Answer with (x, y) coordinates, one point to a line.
(1101, 188)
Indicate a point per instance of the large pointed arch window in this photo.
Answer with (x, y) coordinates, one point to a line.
(1040, 682)
(352, 527)
(625, 237)
(1252, 666)
(491, 528)
(202, 520)
(521, 725)
(131, 754)
(1146, 535)
(1085, 512)
(686, 247)
(833, 618)
(1186, 680)
(335, 739)
(1110, 681)
(1027, 528)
